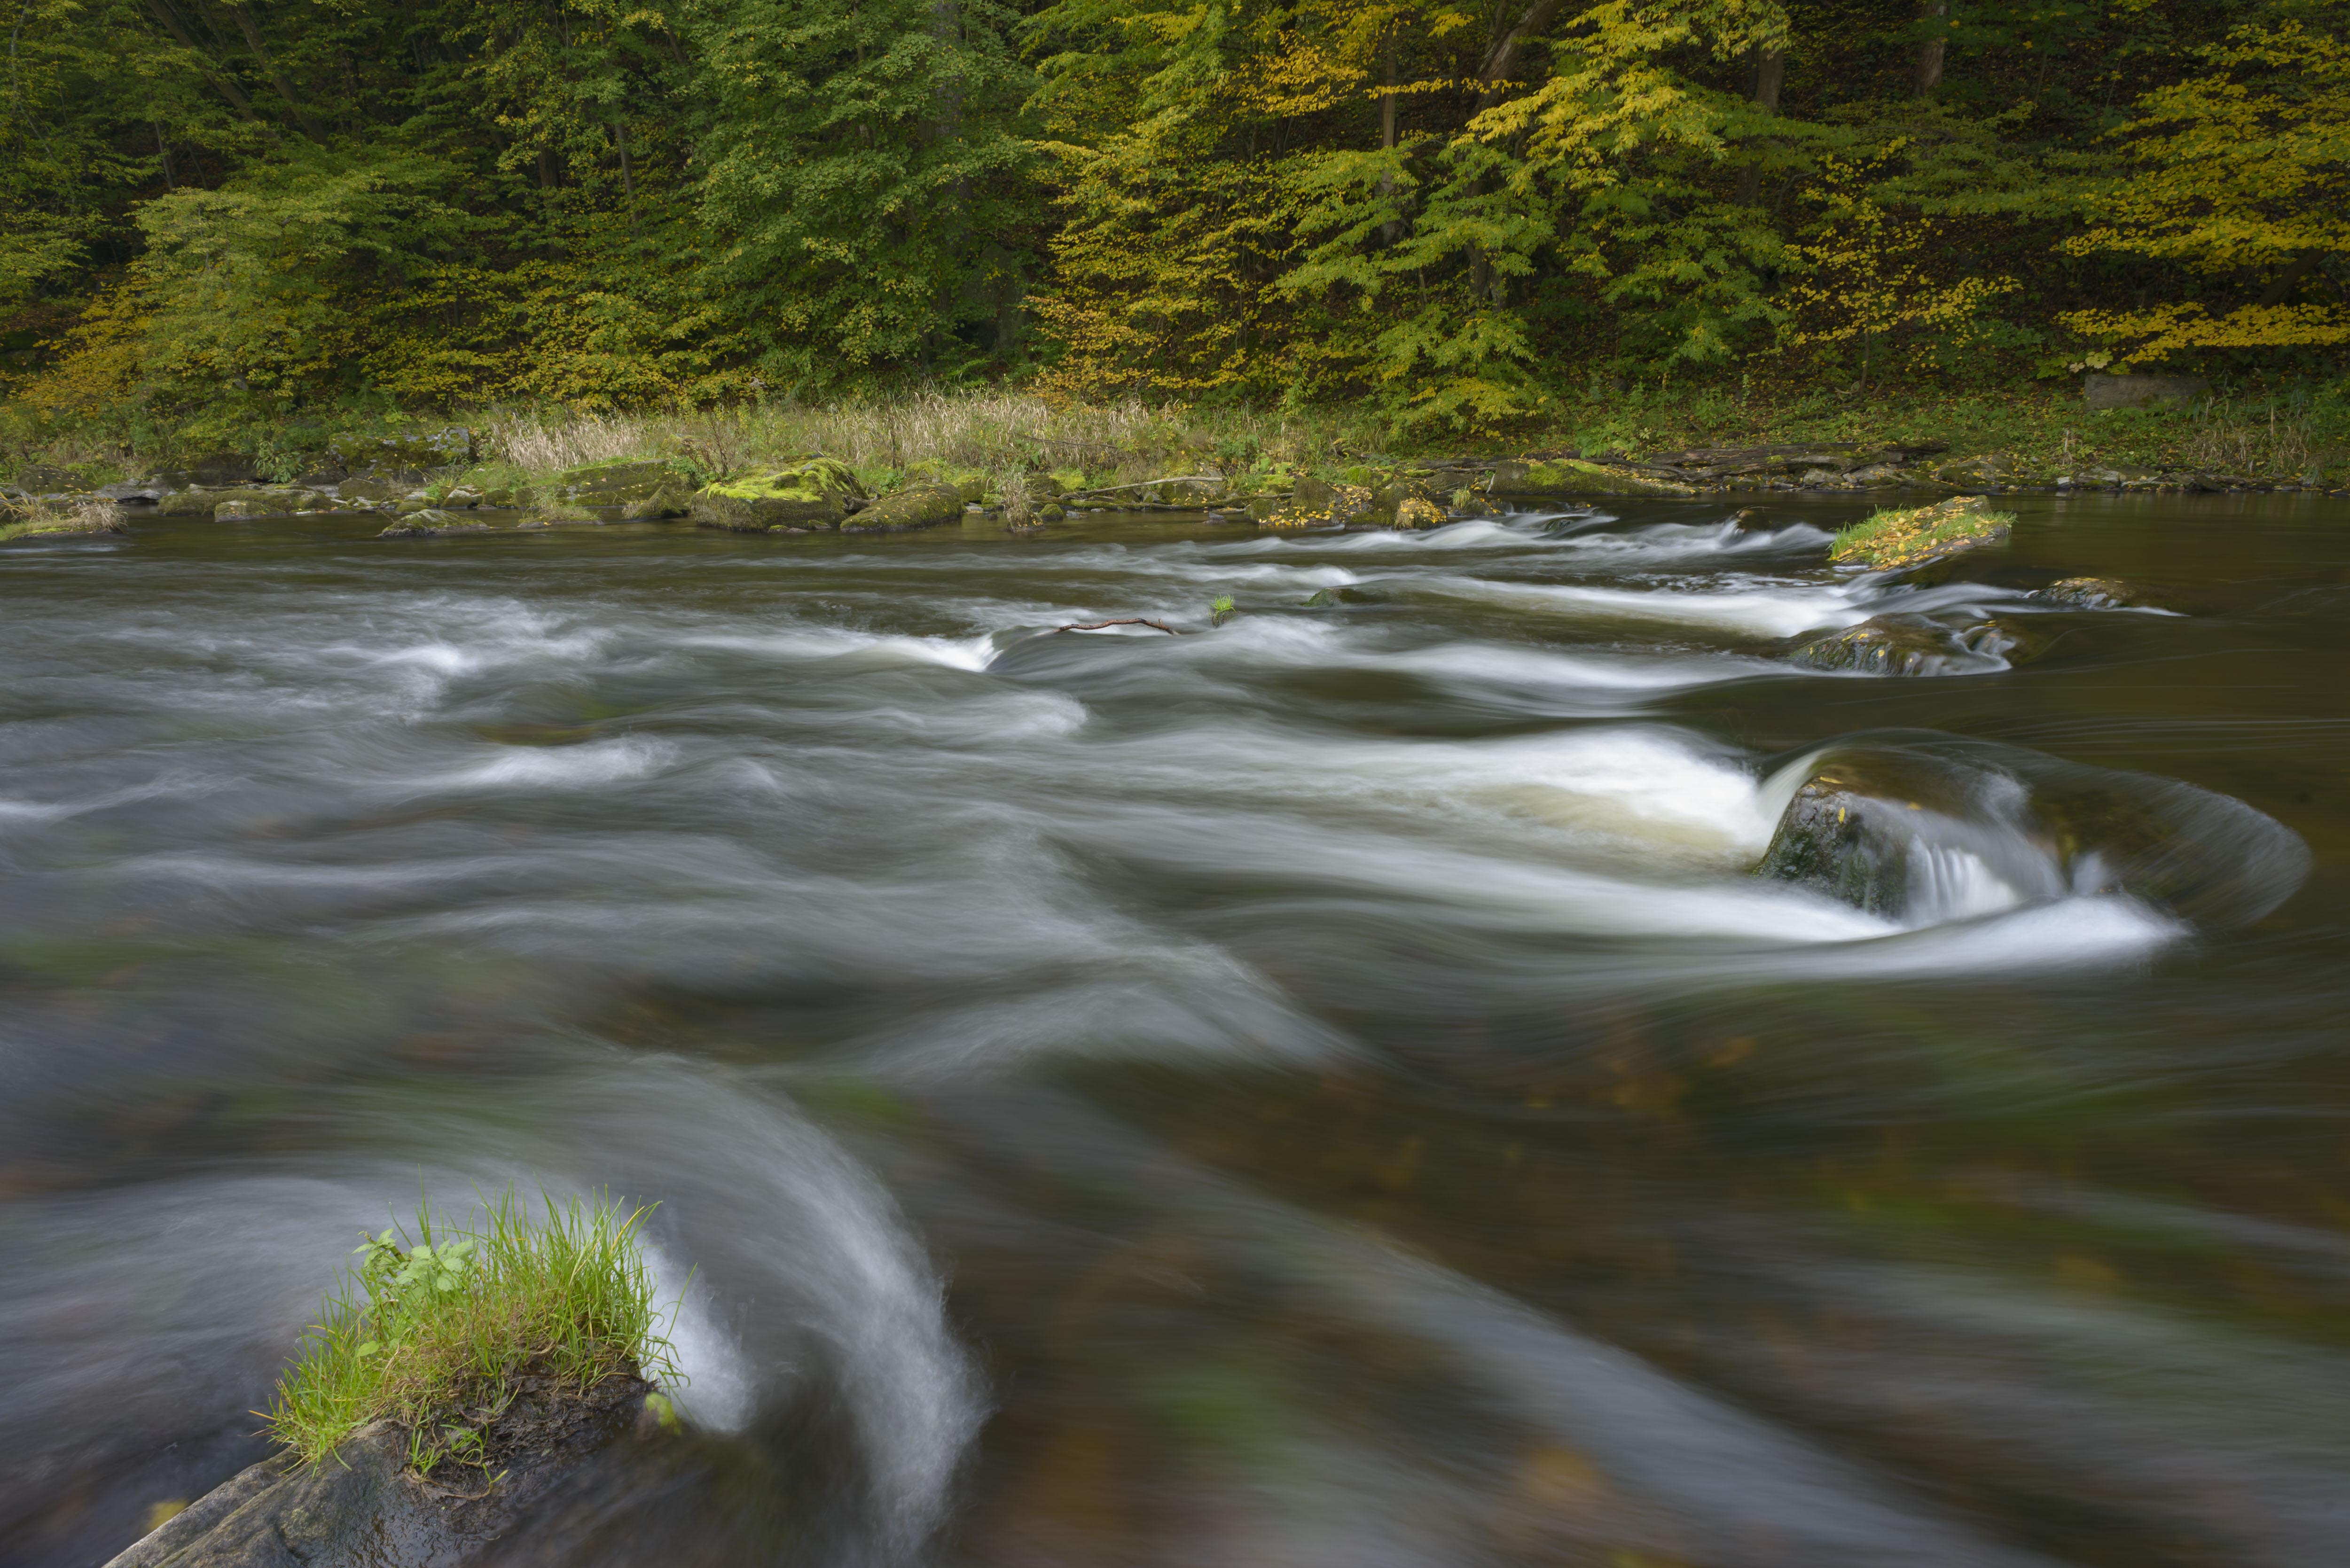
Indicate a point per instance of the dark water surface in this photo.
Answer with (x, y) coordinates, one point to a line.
(1319, 1091)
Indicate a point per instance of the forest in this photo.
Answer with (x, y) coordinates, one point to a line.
(1449, 214)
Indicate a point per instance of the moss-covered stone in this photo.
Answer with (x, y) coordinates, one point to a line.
(1576, 476)
(1921, 535)
(813, 494)
(918, 506)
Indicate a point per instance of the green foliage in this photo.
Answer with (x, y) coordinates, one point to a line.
(1447, 213)
(431, 1330)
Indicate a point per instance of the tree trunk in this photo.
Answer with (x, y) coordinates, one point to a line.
(1391, 230)
(179, 31)
(2280, 287)
(253, 39)
(1770, 75)
(1505, 48)
(1927, 75)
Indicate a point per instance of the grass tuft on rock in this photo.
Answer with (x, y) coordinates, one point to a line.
(436, 1331)
(1918, 534)
(43, 519)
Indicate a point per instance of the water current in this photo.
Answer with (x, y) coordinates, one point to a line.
(1325, 1089)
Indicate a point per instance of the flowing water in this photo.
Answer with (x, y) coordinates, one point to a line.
(1324, 1089)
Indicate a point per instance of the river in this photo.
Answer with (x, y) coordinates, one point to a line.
(1319, 1090)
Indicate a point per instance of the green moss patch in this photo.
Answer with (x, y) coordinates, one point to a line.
(1920, 534)
(440, 1330)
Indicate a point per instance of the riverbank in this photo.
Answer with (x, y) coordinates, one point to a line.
(1006, 450)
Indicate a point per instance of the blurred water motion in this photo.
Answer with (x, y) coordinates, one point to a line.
(1326, 1090)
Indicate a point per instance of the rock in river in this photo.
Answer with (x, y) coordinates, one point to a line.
(922, 506)
(817, 494)
(2092, 593)
(1915, 645)
(364, 1507)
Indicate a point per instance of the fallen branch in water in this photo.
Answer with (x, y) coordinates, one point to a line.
(1129, 620)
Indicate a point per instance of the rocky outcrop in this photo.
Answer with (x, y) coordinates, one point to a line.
(920, 507)
(362, 1507)
(819, 494)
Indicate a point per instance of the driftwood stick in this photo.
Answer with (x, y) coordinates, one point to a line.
(1129, 620)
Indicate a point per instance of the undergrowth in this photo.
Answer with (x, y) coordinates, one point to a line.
(432, 1330)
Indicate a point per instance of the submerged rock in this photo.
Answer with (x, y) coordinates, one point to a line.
(363, 1505)
(2092, 593)
(817, 494)
(1950, 830)
(1915, 645)
(922, 506)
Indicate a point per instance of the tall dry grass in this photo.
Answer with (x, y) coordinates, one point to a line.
(982, 430)
(2236, 437)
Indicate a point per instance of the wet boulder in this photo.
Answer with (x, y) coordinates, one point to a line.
(918, 506)
(1942, 829)
(816, 494)
(1916, 645)
(1835, 838)
(365, 1505)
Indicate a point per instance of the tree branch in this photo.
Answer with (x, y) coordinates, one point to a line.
(1505, 49)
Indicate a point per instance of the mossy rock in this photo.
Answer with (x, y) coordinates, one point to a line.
(813, 494)
(1576, 476)
(1919, 537)
(626, 483)
(918, 506)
